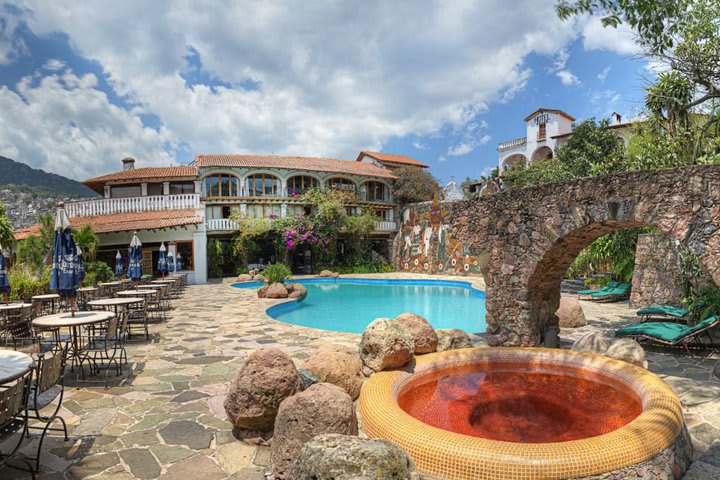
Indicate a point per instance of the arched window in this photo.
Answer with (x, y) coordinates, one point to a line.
(339, 183)
(263, 185)
(222, 185)
(375, 191)
(300, 184)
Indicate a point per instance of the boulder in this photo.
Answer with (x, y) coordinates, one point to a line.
(627, 350)
(422, 332)
(385, 344)
(262, 291)
(328, 274)
(267, 378)
(298, 291)
(340, 457)
(244, 277)
(592, 342)
(253, 272)
(322, 408)
(570, 313)
(276, 290)
(337, 366)
(451, 339)
(307, 377)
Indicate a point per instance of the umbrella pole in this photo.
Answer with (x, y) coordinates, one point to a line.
(7, 298)
(72, 306)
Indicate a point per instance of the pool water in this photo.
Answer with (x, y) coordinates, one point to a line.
(349, 305)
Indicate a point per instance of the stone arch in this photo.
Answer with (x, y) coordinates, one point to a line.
(541, 153)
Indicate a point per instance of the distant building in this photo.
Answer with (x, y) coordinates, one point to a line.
(452, 192)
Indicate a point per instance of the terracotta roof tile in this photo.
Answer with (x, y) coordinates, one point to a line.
(126, 222)
(147, 173)
(389, 157)
(313, 164)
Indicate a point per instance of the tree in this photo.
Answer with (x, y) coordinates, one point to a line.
(88, 242)
(414, 184)
(7, 235)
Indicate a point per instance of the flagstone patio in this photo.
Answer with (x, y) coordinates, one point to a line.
(165, 417)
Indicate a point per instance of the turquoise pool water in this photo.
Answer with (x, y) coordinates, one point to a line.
(348, 305)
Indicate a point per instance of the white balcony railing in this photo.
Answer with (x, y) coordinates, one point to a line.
(518, 142)
(108, 206)
(222, 224)
(385, 226)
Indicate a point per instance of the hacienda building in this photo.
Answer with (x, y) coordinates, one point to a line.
(186, 207)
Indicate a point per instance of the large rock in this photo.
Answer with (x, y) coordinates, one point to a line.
(333, 364)
(422, 332)
(451, 339)
(262, 291)
(298, 291)
(267, 378)
(627, 350)
(328, 274)
(244, 277)
(592, 342)
(386, 344)
(339, 457)
(322, 408)
(570, 313)
(276, 290)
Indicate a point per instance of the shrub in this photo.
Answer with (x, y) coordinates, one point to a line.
(276, 273)
(97, 272)
(25, 283)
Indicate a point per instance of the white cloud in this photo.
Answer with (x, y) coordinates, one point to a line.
(604, 102)
(558, 67)
(333, 79)
(442, 159)
(419, 145)
(460, 149)
(619, 40)
(11, 46)
(64, 124)
(567, 78)
(603, 75)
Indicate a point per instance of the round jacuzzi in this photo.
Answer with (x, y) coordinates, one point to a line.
(500, 413)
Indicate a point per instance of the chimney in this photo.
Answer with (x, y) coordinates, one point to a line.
(616, 119)
(128, 163)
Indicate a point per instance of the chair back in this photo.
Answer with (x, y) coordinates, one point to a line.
(112, 327)
(50, 370)
(13, 398)
(19, 326)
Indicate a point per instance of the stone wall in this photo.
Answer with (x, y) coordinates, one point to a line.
(523, 241)
(656, 278)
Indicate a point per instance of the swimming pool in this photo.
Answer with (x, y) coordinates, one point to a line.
(349, 304)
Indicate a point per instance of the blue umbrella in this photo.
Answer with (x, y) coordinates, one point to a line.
(178, 262)
(162, 259)
(4, 283)
(135, 262)
(67, 268)
(170, 262)
(118, 264)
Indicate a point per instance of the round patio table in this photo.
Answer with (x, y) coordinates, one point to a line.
(74, 323)
(13, 365)
(138, 293)
(117, 303)
(39, 302)
(9, 307)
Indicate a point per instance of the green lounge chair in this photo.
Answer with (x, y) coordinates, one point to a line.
(610, 285)
(667, 311)
(670, 333)
(621, 291)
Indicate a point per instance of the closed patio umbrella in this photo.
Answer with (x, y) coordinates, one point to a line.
(178, 262)
(170, 262)
(67, 269)
(4, 282)
(162, 259)
(118, 264)
(135, 262)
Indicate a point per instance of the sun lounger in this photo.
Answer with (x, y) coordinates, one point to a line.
(617, 293)
(666, 311)
(670, 333)
(610, 285)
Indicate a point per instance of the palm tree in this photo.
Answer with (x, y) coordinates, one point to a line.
(7, 237)
(88, 242)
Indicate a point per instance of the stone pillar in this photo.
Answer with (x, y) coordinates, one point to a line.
(107, 191)
(143, 189)
(200, 255)
(656, 278)
(198, 184)
(166, 188)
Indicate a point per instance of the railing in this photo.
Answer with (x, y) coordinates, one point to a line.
(295, 194)
(518, 142)
(108, 206)
(385, 226)
(222, 224)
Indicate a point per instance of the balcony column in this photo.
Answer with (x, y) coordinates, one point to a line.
(197, 186)
(143, 189)
(166, 188)
(283, 210)
(391, 215)
(243, 209)
(107, 191)
(283, 186)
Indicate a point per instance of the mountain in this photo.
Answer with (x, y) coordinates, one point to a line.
(40, 181)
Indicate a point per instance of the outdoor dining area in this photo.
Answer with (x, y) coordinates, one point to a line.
(78, 331)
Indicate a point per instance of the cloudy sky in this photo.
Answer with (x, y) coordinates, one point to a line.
(86, 83)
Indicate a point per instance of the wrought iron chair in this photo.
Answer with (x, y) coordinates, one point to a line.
(14, 420)
(48, 385)
(137, 319)
(106, 347)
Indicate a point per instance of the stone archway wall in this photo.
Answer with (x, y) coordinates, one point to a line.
(522, 241)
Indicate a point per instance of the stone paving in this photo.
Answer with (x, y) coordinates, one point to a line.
(164, 417)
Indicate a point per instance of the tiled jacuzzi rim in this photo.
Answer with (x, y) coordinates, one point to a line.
(450, 455)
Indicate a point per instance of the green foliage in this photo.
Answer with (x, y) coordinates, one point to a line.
(706, 304)
(358, 229)
(539, 172)
(276, 273)
(214, 257)
(614, 252)
(599, 281)
(88, 242)
(97, 272)
(373, 263)
(414, 185)
(7, 238)
(32, 252)
(26, 282)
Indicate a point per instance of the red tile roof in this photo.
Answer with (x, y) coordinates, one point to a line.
(390, 158)
(313, 164)
(126, 222)
(147, 173)
(549, 110)
(617, 125)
